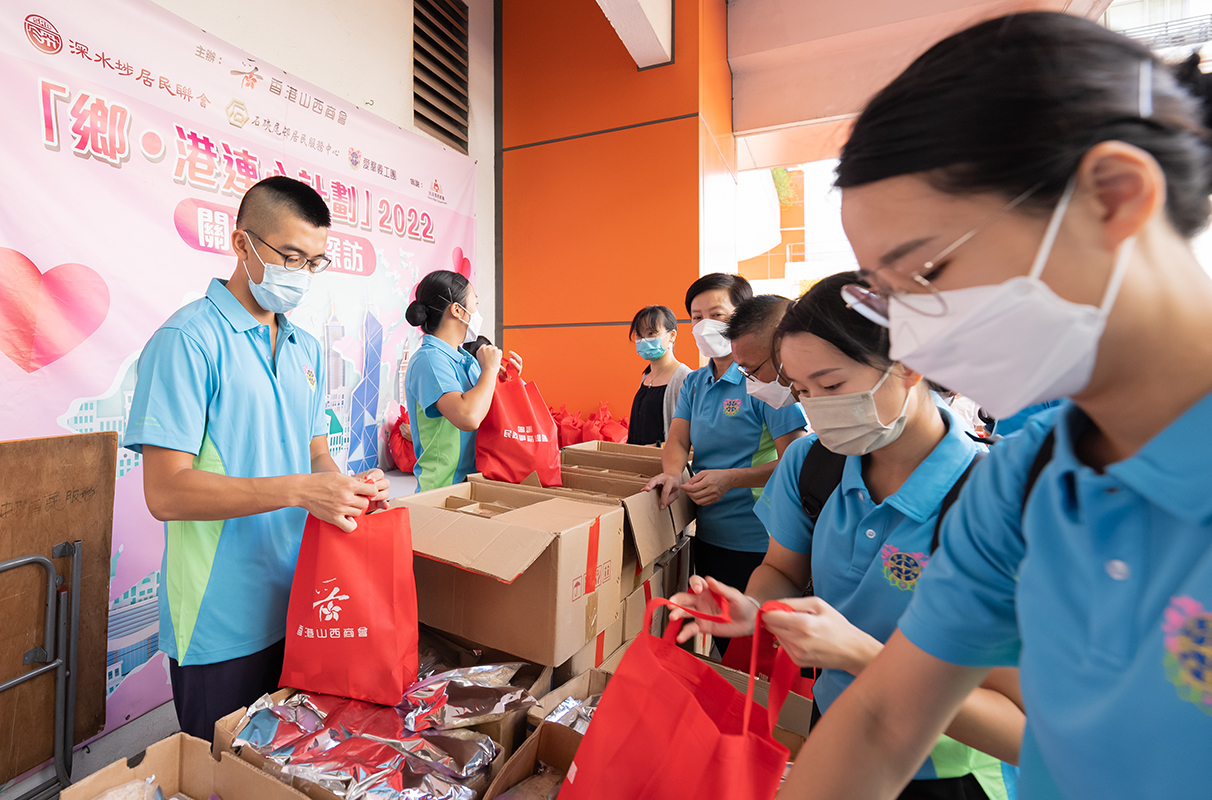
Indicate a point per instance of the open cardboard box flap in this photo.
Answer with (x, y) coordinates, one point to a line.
(653, 530)
(487, 546)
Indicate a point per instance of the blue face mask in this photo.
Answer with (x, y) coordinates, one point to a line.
(280, 289)
(650, 349)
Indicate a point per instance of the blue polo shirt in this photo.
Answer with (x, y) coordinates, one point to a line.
(1101, 592)
(207, 385)
(731, 430)
(867, 558)
(445, 454)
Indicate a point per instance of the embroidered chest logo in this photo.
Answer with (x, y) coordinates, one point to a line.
(731, 406)
(1188, 660)
(311, 378)
(903, 569)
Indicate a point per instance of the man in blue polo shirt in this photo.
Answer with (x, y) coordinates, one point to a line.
(228, 413)
(737, 438)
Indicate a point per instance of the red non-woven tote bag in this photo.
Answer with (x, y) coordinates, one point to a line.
(518, 436)
(351, 627)
(737, 657)
(669, 727)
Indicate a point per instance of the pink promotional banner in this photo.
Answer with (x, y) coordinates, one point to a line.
(126, 149)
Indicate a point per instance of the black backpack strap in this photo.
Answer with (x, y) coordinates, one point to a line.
(820, 475)
(952, 495)
(1037, 466)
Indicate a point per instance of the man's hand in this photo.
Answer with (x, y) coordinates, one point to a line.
(708, 486)
(336, 498)
(376, 478)
(669, 485)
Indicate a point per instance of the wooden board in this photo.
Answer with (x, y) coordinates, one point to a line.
(53, 490)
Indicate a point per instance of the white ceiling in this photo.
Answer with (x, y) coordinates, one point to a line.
(803, 69)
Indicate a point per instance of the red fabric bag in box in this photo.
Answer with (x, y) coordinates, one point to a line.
(351, 627)
(518, 436)
(669, 727)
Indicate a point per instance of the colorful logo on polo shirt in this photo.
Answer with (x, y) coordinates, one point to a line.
(311, 378)
(731, 406)
(1188, 628)
(903, 569)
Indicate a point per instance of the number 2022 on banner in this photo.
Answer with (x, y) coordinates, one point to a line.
(395, 218)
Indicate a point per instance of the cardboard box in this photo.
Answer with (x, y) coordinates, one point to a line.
(676, 567)
(622, 448)
(539, 580)
(648, 529)
(582, 686)
(553, 745)
(634, 575)
(636, 604)
(182, 763)
(611, 664)
(607, 456)
(591, 655)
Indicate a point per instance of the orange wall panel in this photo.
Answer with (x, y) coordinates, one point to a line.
(597, 227)
(564, 72)
(582, 366)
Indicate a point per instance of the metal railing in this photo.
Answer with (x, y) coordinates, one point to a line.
(1178, 33)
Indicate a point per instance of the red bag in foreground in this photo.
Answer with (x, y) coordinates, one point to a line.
(670, 727)
(351, 627)
(738, 653)
(518, 436)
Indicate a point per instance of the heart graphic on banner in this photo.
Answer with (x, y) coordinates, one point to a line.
(44, 316)
(461, 265)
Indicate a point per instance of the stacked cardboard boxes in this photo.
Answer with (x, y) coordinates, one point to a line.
(655, 559)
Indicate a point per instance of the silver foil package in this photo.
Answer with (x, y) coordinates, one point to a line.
(460, 698)
(574, 713)
(360, 768)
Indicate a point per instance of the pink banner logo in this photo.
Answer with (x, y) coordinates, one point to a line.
(43, 35)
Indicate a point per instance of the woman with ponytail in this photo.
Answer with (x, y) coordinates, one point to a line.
(447, 390)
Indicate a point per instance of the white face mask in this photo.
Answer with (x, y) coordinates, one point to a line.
(1009, 345)
(849, 424)
(709, 336)
(280, 289)
(773, 393)
(473, 326)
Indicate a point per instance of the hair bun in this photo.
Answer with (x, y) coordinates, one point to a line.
(416, 313)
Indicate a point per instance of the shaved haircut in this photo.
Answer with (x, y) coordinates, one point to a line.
(269, 201)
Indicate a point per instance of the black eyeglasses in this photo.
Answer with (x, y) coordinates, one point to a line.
(749, 375)
(294, 261)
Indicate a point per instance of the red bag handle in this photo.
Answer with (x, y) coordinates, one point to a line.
(509, 371)
(785, 670)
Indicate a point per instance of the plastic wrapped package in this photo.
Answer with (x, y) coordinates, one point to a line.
(134, 790)
(574, 713)
(460, 698)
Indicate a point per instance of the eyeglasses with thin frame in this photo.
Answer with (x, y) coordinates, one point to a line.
(915, 291)
(294, 261)
(750, 374)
